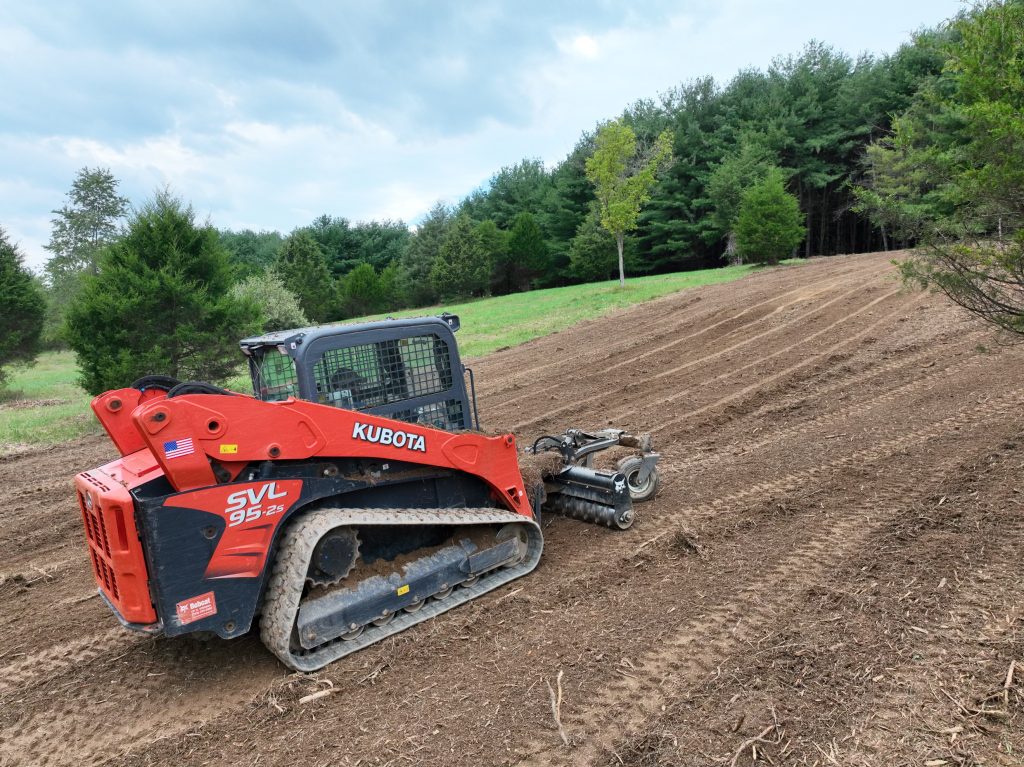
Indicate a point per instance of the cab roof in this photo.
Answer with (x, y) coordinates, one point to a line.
(300, 336)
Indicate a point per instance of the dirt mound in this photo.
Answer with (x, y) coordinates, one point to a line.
(830, 574)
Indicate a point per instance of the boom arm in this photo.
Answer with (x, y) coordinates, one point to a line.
(184, 432)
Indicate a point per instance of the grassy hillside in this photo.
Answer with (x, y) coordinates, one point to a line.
(44, 405)
(493, 323)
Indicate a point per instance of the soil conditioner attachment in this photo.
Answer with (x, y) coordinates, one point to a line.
(350, 497)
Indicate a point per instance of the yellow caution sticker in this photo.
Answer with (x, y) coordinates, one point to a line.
(228, 449)
(403, 590)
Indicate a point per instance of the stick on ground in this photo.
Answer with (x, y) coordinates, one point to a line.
(760, 738)
(556, 706)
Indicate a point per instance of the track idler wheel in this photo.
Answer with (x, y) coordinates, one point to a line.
(333, 557)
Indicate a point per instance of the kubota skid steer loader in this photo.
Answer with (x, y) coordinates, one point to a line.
(349, 498)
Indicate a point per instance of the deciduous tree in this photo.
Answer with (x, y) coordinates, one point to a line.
(88, 221)
(623, 178)
(279, 308)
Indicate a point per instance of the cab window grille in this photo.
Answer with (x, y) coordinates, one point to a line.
(273, 376)
(372, 375)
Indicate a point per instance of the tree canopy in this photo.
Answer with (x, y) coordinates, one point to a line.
(86, 223)
(769, 224)
(623, 179)
(951, 175)
(877, 151)
(303, 268)
(160, 302)
(21, 315)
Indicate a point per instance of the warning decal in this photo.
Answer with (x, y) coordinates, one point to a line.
(197, 608)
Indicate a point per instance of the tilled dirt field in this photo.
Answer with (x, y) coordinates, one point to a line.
(832, 573)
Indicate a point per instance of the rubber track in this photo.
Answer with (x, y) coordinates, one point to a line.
(284, 591)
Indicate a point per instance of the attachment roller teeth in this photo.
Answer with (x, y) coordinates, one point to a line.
(594, 513)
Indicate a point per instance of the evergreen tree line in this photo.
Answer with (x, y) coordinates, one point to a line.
(807, 120)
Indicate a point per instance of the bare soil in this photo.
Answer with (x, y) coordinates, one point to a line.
(831, 574)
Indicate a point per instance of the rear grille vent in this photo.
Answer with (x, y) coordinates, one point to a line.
(104, 574)
(99, 545)
(95, 483)
(95, 526)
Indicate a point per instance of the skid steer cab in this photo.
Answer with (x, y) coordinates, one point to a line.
(349, 497)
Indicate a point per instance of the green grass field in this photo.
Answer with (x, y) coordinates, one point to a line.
(44, 405)
(494, 323)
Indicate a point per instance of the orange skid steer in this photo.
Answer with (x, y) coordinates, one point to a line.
(349, 498)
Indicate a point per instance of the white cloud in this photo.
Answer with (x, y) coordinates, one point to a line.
(580, 46)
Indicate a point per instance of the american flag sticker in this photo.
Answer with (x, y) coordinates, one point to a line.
(178, 447)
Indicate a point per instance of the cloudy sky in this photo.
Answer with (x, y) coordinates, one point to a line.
(266, 115)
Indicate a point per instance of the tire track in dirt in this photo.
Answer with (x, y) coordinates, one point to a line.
(158, 725)
(669, 315)
(934, 379)
(695, 363)
(58, 658)
(698, 646)
(803, 295)
(86, 723)
(808, 360)
(894, 614)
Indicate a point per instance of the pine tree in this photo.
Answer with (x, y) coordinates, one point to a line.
(462, 268)
(769, 224)
(21, 311)
(302, 266)
(503, 268)
(361, 291)
(159, 303)
(592, 251)
(727, 183)
(568, 202)
(527, 249)
(952, 174)
(423, 250)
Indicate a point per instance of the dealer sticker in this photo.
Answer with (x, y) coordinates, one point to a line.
(197, 608)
